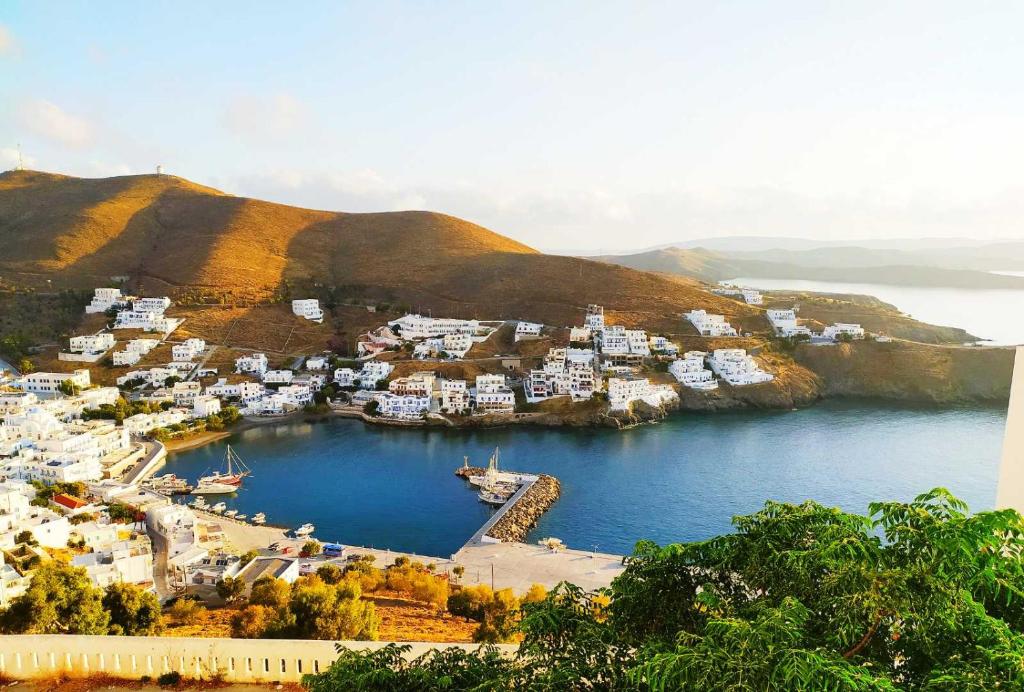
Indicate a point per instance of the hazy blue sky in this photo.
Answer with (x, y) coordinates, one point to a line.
(565, 125)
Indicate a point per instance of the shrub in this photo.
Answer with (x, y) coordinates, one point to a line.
(187, 611)
(171, 678)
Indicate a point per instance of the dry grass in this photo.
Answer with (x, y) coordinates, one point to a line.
(402, 620)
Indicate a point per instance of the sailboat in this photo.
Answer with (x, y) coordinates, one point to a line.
(490, 476)
(234, 471)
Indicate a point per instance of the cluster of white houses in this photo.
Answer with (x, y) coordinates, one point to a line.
(421, 393)
(785, 323)
(750, 296)
(708, 324)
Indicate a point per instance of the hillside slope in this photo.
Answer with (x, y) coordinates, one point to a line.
(169, 235)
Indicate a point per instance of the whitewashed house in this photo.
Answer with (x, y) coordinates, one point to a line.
(690, 371)
(255, 364)
(785, 323)
(316, 363)
(457, 345)
(374, 371)
(493, 395)
(594, 319)
(203, 406)
(407, 406)
(835, 331)
(710, 325)
(188, 350)
(528, 330)
(580, 335)
(454, 397)
(278, 377)
(92, 343)
(185, 393)
(50, 382)
(105, 298)
(624, 392)
(752, 296)
(421, 327)
(419, 384)
(737, 368)
(661, 345)
(158, 305)
(345, 377)
(308, 308)
(637, 339)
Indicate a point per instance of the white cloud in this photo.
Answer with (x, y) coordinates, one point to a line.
(265, 117)
(8, 46)
(50, 121)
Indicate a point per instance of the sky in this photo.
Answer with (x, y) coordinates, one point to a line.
(571, 126)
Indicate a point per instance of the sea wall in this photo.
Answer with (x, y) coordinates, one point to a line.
(45, 656)
(517, 522)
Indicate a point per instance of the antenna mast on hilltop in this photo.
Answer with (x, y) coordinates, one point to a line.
(21, 160)
(159, 169)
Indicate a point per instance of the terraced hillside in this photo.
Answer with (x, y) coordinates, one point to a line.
(170, 235)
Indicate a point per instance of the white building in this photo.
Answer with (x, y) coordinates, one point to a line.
(143, 423)
(454, 397)
(457, 345)
(158, 305)
(528, 330)
(105, 298)
(92, 343)
(316, 363)
(420, 384)
(752, 296)
(374, 371)
(203, 406)
(690, 371)
(278, 377)
(580, 335)
(594, 319)
(50, 382)
(661, 344)
(255, 364)
(737, 368)
(835, 331)
(403, 406)
(422, 327)
(188, 350)
(710, 325)
(308, 308)
(493, 395)
(785, 323)
(185, 393)
(623, 393)
(345, 377)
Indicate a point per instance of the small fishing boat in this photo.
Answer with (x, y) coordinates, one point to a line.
(305, 530)
(496, 494)
(231, 512)
(199, 502)
(259, 518)
(219, 507)
(241, 517)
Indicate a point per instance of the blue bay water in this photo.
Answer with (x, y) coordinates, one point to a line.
(682, 479)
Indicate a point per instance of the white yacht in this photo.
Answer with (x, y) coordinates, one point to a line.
(305, 530)
(219, 507)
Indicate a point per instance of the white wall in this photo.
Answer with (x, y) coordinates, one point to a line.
(28, 656)
(1011, 473)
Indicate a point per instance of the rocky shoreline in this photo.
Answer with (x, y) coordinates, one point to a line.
(521, 517)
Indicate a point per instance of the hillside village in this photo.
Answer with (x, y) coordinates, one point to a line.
(72, 451)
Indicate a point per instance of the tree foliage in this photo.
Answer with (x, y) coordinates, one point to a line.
(919, 595)
(60, 600)
(133, 611)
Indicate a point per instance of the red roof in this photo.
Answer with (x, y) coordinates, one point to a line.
(69, 501)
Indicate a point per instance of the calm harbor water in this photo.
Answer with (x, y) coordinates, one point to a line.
(682, 479)
(989, 314)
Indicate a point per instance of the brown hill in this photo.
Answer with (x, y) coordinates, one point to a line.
(169, 234)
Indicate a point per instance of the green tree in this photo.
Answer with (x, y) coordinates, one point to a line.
(325, 611)
(919, 595)
(60, 600)
(133, 611)
(26, 366)
(230, 589)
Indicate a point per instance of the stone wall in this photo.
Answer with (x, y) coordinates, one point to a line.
(523, 516)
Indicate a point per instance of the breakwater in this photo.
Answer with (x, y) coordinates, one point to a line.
(517, 517)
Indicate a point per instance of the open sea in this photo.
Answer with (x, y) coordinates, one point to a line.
(679, 480)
